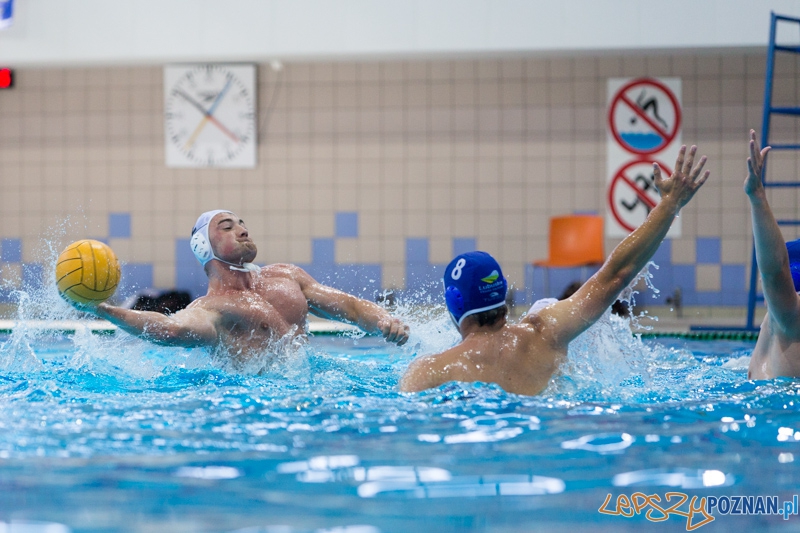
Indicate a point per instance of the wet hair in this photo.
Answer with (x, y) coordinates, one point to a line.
(492, 316)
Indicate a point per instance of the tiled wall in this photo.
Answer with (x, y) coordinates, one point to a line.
(371, 174)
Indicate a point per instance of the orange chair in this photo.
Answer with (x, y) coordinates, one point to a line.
(575, 241)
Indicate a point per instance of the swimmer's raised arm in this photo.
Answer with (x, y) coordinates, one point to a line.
(194, 326)
(328, 302)
(771, 254)
(570, 317)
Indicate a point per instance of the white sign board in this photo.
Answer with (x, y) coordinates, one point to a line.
(643, 127)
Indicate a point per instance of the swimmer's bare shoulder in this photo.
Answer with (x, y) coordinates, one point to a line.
(432, 370)
(776, 353)
(524, 345)
(286, 271)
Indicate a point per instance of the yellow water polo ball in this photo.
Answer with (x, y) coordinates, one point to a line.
(87, 272)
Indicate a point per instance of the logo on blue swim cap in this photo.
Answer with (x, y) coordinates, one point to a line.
(793, 247)
(473, 283)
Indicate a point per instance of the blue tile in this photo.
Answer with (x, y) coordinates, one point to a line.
(732, 278)
(424, 280)
(417, 249)
(708, 250)
(119, 225)
(689, 298)
(323, 251)
(189, 275)
(708, 298)
(685, 277)
(32, 276)
(561, 278)
(323, 272)
(734, 298)
(463, 245)
(529, 283)
(362, 280)
(347, 224)
(663, 255)
(537, 283)
(664, 280)
(135, 278)
(11, 250)
(519, 296)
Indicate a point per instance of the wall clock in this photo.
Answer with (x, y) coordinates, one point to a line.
(210, 116)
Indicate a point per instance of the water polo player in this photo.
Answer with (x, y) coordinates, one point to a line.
(523, 357)
(777, 351)
(246, 307)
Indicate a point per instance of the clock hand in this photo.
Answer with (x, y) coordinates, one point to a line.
(218, 99)
(206, 118)
(191, 101)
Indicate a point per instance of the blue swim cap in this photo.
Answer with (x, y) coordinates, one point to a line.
(793, 247)
(473, 283)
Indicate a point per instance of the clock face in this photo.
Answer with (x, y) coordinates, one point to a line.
(210, 116)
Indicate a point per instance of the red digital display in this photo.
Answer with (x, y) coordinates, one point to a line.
(6, 78)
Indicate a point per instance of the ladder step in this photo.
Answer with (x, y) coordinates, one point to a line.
(785, 146)
(787, 19)
(788, 222)
(782, 184)
(794, 49)
(785, 110)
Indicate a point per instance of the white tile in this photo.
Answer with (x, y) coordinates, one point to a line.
(416, 223)
(441, 249)
(393, 275)
(347, 251)
(736, 250)
(369, 250)
(708, 277)
(299, 251)
(684, 251)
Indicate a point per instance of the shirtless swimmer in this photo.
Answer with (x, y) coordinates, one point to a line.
(523, 357)
(777, 351)
(247, 307)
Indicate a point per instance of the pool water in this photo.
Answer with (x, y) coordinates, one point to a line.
(109, 433)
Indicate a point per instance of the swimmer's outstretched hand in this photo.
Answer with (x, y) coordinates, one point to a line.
(753, 186)
(393, 330)
(685, 179)
(83, 308)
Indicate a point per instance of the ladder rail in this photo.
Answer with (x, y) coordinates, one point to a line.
(753, 295)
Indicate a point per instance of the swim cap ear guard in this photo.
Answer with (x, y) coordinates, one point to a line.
(201, 248)
(455, 303)
(473, 283)
(793, 247)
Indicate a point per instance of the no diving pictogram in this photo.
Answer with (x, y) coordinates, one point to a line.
(632, 193)
(644, 116)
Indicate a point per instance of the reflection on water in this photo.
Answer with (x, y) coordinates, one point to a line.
(415, 482)
(684, 478)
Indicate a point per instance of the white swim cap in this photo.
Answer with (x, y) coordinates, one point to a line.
(201, 244)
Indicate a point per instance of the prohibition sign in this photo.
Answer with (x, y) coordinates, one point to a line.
(644, 116)
(633, 192)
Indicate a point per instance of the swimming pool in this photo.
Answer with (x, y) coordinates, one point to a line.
(108, 433)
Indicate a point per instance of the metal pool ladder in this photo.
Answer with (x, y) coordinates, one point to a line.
(769, 109)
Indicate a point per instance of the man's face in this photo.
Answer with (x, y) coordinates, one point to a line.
(230, 239)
